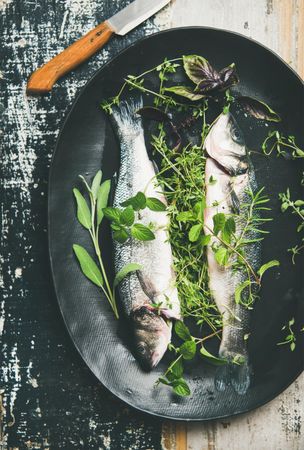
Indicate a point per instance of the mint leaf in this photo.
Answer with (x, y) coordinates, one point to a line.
(112, 214)
(218, 222)
(180, 387)
(137, 202)
(267, 266)
(195, 232)
(121, 235)
(182, 330)
(212, 359)
(221, 256)
(188, 350)
(155, 205)
(127, 216)
(141, 232)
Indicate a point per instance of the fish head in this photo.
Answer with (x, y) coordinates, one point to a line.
(151, 334)
(226, 145)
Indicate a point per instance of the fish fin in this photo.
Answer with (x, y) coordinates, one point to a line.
(235, 202)
(222, 377)
(146, 284)
(125, 117)
(156, 168)
(240, 377)
(236, 375)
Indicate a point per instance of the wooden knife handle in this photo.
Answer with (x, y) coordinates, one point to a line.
(43, 79)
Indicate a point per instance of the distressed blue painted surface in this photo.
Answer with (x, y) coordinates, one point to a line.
(50, 398)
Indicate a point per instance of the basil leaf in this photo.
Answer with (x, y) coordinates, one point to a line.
(185, 91)
(112, 214)
(155, 204)
(83, 211)
(128, 268)
(212, 359)
(96, 183)
(218, 222)
(198, 68)
(141, 232)
(188, 350)
(102, 199)
(182, 330)
(137, 202)
(258, 109)
(88, 265)
(195, 232)
(267, 266)
(180, 387)
(127, 216)
(121, 235)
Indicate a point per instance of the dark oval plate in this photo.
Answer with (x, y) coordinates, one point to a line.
(87, 143)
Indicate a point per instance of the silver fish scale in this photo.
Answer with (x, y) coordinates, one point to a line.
(135, 174)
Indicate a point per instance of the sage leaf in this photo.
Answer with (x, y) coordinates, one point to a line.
(102, 199)
(128, 268)
(96, 183)
(83, 211)
(112, 214)
(155, 204)
(195, 232)
(188, 350)
(267, 266)
(141, 232)
(185, 91)
(127, 216)
(211, 358)
(88, 265)
(182, 330)
(180, 387)
(137, 202)
(258, 109)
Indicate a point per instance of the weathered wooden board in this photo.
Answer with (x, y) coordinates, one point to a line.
(278, 24)
(50, 399)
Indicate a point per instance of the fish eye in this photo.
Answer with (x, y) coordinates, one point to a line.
(141, 349)
(236, 135)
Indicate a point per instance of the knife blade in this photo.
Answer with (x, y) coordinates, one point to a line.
(44, 78)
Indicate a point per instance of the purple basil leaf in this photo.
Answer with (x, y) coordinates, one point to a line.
(229, 76)
(258, 109)
(152, 113)
(185, 91)
(208, 86)
(198, 68)
(177, 137)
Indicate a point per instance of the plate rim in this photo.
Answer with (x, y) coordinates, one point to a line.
(51, 169)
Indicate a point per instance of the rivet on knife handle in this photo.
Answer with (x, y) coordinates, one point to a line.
(43, 79)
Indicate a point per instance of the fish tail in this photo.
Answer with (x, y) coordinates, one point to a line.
(125, 117)
(236, 375)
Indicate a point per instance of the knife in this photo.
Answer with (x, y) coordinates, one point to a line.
(43, 79)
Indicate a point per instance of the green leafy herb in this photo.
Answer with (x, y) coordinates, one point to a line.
(128, 268)
(83, 211)
(88, 265)
(290, 339)
(296, 208)
(142, 233)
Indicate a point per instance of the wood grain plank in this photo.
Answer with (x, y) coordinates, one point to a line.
(278, 24)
